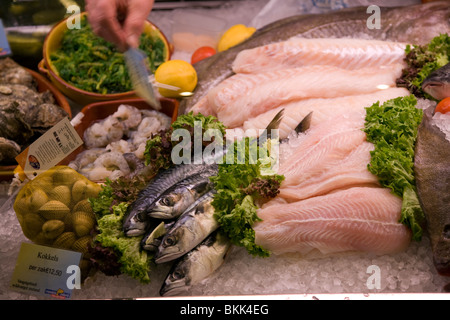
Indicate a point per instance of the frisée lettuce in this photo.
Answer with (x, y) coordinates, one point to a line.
(392, 128)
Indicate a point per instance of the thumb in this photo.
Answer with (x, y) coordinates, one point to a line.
(133, 27)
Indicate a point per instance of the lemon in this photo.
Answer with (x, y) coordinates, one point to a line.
(234, 35)
(177, 73)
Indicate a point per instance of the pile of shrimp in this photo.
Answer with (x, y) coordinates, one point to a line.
(116, 144)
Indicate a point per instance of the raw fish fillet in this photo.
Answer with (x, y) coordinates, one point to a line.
(323, 109)
(355, 219)
(320, 148)
(298, 52)
(245, 96)
(349, 172)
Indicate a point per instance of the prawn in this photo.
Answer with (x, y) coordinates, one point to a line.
(128, 116)
(100, 134)
(113, 161)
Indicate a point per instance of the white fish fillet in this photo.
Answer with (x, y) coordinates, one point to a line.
(355, 219)
(297, 52)
(321, 148)
(244, 96)
(349, 172)
(323, 109)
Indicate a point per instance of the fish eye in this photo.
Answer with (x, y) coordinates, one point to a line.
(178, 274)
(168, 201)
(170, 241)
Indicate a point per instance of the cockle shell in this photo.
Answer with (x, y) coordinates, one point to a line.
(32, 224)
(54, 210)
(81, 245)
(65, 240)
(83, 223)
(53, 228)
(37, 199)
(63, 175)
(84, 206)
(61, 193)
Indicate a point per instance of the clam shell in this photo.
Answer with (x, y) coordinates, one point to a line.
(83, 223)
(61, 193)
(37, 199)
(32, 225)
(84, 206)
(82, 244)
(53, 228)
(54, 210)
(63, 175)
(65, 240)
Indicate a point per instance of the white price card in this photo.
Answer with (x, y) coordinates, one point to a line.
(49, 149)
(47, 271)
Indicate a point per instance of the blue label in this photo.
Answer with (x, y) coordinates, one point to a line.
(5, 50)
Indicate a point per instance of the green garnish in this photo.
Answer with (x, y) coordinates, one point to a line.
(392, 128)
(90, 63)
(423, 60)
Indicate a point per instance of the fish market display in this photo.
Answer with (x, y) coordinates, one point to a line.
(115, 145)
(25, 113)
(298, 52)
(416, 24)
(433, 179)
(244, 96)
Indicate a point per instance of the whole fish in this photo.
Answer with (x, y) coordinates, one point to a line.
(135, 222)
(416, 24)
(191, 228)
(437, 84)
(179, 197)
(196, 265)
(432, 173)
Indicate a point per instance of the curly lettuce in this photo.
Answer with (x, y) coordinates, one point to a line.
(392, 128)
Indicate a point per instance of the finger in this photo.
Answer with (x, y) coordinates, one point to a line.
(138, 12)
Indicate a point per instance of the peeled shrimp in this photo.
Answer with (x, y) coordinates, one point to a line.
(113, 161)
(102, 133)
(128, 116)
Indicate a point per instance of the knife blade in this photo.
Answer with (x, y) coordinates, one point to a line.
(139, 72)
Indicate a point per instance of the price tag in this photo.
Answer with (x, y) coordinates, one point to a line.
(5, 49)
(47, 271)
(49, 149)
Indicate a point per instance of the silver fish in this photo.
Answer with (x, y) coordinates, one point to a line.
(196, 265)
(191, 228)
(416, 24)
(437, 84)
(136, 220)
(179, 197)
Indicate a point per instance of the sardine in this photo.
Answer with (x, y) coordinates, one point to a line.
(432, 174)
(416, 24)
(135, 223)
(179, 197)
(191, 228)
(437, 84)
(196, 265)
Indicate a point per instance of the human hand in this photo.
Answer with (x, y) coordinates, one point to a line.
(120, 22)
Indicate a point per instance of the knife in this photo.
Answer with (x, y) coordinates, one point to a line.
(139, 72)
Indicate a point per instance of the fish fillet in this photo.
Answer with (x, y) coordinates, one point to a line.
(298, 52)
(245, 96)
(320, 148)
(323, 109)
(349, 172)
(355, 219)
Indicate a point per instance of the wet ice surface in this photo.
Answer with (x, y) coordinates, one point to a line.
(411, 271)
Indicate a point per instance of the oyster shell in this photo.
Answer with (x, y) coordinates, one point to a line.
(9, 150)
(13, 125)
(46, 116)
(12, 73)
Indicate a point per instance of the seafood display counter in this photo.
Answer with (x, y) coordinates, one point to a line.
(347, 199)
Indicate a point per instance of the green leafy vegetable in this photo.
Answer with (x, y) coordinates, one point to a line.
(239, 184)
(392, 128)
(90, 63)
(158, 149)
(423, 60)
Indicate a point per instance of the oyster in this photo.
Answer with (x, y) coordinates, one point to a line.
(13, 73)
(8, 150)
(46, 116)
(13, 125)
